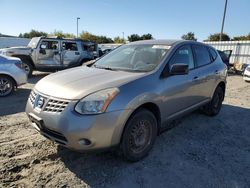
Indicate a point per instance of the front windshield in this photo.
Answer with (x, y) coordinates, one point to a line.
(141, 58)
(33, 42)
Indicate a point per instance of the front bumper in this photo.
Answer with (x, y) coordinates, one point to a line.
(71, 129)
(246, 75)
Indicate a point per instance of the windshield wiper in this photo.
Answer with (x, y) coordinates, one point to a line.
(106, 68)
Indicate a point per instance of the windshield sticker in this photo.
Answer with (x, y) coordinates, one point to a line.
(165, 47)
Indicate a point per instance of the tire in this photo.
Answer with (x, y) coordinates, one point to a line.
(7, 85)
(139, 135)
(214, 106)
(27, 66)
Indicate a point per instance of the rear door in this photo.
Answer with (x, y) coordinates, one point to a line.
(70, 53)
(48, 53)
(205, 71)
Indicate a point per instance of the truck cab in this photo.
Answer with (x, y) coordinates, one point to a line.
(53, 53)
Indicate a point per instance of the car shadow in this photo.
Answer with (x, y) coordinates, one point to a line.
(15, 102)
(36, 77)
(200, 150)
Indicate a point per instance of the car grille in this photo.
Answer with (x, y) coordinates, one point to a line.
(55, 105)
(32, 97)
(51, 105)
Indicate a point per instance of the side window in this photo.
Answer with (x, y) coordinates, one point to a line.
(49, 45)
(71, 46)
(201, 55)
(213, 53)
(183, 55)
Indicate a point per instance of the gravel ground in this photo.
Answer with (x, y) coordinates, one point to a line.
(199, 151)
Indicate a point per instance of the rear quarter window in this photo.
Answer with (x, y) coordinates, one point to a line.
(202, 55)
(213, 53)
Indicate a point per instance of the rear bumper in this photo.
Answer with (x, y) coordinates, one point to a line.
(21, 78)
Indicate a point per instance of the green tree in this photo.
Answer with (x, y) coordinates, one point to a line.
(189, 36)
(146, 37)
(119, 40)
(243, 37)
(62, 35)
(33, 33)
(216, 37)
(94, 38)
(134, 37)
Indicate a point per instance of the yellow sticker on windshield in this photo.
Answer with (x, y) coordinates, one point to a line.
(165, 47)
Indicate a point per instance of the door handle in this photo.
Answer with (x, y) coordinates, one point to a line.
(77, 53)
(216, 72)
(195, 78)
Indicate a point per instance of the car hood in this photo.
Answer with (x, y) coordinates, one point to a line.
(18, 49)
(79, 82)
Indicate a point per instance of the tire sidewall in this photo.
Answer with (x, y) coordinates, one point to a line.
(139, 115)
(12, 85)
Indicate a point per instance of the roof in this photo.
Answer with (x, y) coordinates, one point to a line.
(157, 42)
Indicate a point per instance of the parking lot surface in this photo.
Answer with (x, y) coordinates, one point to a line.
(199, 151)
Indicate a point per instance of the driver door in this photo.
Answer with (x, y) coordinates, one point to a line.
(48, 53)
(180, 91)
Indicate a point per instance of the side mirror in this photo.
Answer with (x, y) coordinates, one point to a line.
(178, 69)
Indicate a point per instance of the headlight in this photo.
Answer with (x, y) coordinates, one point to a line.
(97, 102)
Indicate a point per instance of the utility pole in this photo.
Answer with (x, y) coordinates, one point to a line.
(223, 20)
(77, 26)
(123, 37)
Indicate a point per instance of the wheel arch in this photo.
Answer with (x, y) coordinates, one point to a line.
(9, 76)
(22, 57)
(150, 106)
(223, 86)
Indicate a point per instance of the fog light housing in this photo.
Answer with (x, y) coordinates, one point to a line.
(84, 142)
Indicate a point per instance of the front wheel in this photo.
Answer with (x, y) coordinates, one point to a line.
(139, 135)
(214, 106)
(7, 86)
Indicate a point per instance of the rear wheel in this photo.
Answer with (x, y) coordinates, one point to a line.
(28, 67)
(214, 106)
(139, 135)
(7, 85)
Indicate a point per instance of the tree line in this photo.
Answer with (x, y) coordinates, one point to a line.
(216, 37)
(85, 35)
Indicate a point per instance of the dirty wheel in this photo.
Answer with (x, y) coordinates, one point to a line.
(7, 86)
(139, 135)
(214, 106)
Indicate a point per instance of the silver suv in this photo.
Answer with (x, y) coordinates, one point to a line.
(128, 96)
(49, 54)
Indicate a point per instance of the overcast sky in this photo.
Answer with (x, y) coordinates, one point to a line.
(164, 19)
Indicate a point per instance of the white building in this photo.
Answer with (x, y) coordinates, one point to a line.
(240, 50)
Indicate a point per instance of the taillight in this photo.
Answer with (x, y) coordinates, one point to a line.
(19, 65)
